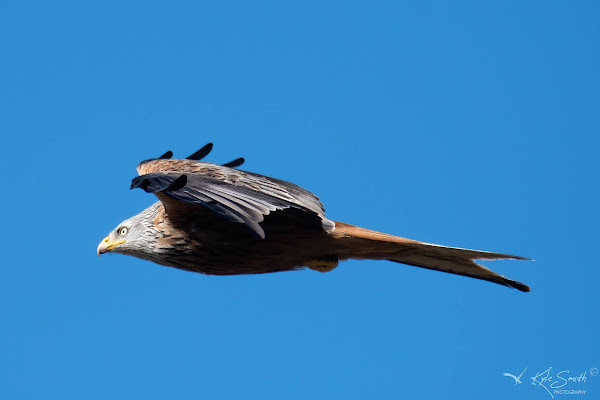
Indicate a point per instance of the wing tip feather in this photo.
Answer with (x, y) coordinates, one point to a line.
(517, 285)
(200, 154)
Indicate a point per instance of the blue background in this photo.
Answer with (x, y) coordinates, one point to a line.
(463, 124)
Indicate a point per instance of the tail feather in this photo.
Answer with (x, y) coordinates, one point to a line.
(360, 243)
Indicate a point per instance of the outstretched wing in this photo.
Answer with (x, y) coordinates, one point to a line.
(237, 196)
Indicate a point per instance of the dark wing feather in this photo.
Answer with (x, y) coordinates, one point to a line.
(203, 152)
(235, 163)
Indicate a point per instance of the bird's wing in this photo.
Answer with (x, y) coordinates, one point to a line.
(238, 196)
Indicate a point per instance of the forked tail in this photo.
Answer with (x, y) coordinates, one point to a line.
(359, 243)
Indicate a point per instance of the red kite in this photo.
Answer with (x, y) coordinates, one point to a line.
(218, 220)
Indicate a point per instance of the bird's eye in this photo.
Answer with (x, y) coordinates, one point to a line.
(123, 231)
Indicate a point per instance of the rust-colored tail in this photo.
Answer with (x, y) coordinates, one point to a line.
(359, 243)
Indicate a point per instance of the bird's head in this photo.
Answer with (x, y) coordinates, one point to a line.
(134, 236)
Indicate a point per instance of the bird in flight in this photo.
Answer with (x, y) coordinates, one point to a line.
(219, 220)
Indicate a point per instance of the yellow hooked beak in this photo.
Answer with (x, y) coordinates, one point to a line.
(106, 245)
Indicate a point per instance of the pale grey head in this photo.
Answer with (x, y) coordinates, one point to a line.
(137, 236)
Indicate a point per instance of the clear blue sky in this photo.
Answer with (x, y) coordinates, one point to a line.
(470, 124)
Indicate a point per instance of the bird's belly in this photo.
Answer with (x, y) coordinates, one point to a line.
(249, 255)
